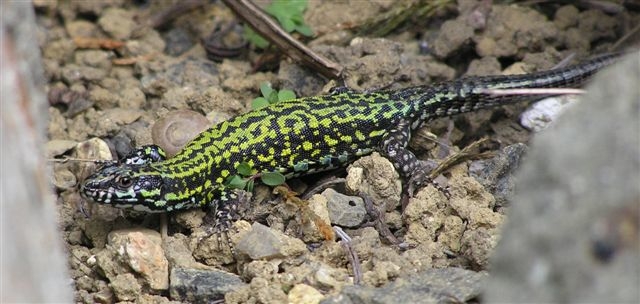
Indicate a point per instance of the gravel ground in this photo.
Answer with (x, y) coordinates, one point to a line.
(104, 101)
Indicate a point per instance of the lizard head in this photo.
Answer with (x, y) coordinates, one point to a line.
(138, 187)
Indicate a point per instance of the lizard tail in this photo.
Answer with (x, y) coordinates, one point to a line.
(474, 93)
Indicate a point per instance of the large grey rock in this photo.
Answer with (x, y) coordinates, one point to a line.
(447, 285)
(201, 285)
(572, 234)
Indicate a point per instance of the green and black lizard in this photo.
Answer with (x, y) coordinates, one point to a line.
(306, 135)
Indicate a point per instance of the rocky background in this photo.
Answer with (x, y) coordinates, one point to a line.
(571, 232)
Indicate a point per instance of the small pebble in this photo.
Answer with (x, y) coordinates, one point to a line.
(104, 296)
(94, 148)
(304, 294)
(58, 147)
(122, 144)
(344, 210)
(64, 179)
(91, 260)
(263, 242)
(126, 287)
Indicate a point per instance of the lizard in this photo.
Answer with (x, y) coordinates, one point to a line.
(306, 135)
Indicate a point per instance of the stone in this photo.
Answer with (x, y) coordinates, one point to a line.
(310, 230)
(94, 58)
(202, 286)
(452, 36)
(125, 287)
(304, 294)
(141, 250)
(144, 254)
(445, 285)
(117, 22)
(262, 242)
(577, 189)
(375, 176)
(72, 73)
(58, 147)
(510, 30)
(345, 211)
(497, 174)
(545, 112)
(64, 179)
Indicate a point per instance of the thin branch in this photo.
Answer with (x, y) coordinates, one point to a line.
(260, 22)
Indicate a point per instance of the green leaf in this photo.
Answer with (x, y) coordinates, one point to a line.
(259, 103)
(292, 6)
(250, 185)
(281, 16)
(260, 42)
(255, 38)
(273, 9)
(272, 178)
(298, 6)
(273, 97)
(304, 30)
(286, 95)
(289, 13)
(237, 182)
(288, 25)
(265, 89)
(297, 19)
(244, 169)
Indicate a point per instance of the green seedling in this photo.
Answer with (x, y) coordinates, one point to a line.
(270, 96)
(289, 14)
(245, 179)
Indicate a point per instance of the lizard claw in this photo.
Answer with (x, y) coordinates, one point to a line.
(420, 177)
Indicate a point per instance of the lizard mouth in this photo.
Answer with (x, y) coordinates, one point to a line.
(91, 191)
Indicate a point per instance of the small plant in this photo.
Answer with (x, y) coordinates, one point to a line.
(255, 38)
(270, 96)
(245, 179)
(289, 14)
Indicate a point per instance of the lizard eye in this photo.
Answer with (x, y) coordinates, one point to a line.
(124, 181)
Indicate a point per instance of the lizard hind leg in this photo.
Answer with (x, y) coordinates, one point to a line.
(415, 172)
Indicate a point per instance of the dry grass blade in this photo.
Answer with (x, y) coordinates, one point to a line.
(97, 43)
(464, 154)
